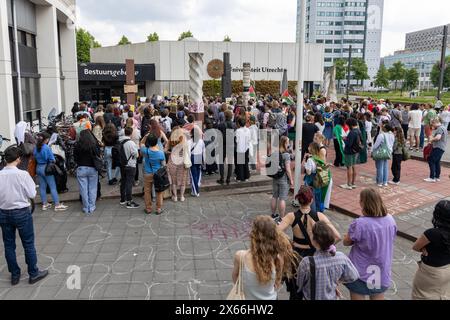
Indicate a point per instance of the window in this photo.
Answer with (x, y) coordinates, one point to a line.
(337, 51)
(328, 41)
(319, 41)
(328, 50)
(355, 14)
(328, 59)
(337, 41)
(338, 32)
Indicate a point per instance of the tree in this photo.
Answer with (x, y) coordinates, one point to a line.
(153, 37)
(382, 77)
(124, 41)
(341, 70)
(85, 41)
(359, 69)
(436, 73)
(186, 34)
(411, 79)
(397, 72)
(227, 39)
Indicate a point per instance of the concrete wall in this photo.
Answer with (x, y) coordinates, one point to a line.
(7, 120)
(172, 61)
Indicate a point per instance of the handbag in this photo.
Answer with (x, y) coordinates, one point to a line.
(406, 155)
(427, 152)
(186, 158)
(237, 293)
(32, 167)
(382, 152)
(52, 170)
(160, 177)
(98, 162)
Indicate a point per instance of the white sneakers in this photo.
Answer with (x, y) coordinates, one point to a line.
(429, 180)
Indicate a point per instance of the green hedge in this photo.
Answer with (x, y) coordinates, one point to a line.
(214, 87)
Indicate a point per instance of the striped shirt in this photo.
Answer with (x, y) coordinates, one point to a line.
(329, 271)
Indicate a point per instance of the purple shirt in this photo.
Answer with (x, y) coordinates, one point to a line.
(373, 247)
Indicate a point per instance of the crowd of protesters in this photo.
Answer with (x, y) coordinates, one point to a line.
(131, 144)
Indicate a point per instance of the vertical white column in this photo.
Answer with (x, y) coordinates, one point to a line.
(48, 59)
(7, 118)
(69, 66)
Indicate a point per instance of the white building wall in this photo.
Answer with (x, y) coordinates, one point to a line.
(171, 58)
(48, 59)
(7, 120)
(69, 67)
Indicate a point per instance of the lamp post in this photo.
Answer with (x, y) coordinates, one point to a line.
(349, 70)
(443, 53)
(300, 102)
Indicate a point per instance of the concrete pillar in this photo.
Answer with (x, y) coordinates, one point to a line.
(7, 118)
(48, 59)
(69, 66)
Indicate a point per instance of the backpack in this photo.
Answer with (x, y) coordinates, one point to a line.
(281, 168)
(358, 146)
(281, 123)
(322, 176)
(165, 125)
(119, 159)
(272, 120)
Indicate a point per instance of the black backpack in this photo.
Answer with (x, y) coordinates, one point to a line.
(281, 168)
(160, 177)
(119, 159)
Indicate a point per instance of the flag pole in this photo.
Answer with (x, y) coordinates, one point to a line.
(300, 102)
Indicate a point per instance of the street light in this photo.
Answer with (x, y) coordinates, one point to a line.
(300, 102)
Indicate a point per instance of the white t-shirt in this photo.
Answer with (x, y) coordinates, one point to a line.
(415, 121)
(320, 127)
(243, 138)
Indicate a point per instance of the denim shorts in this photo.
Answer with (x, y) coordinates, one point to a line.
(360, 287)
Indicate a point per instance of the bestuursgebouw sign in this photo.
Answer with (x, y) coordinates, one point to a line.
(114, 72)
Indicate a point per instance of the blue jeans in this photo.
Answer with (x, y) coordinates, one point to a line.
(382, 171)
(109, 170)
(87, 180)
(435, 163)
(43, 182)
(22, 220)
(422, 136)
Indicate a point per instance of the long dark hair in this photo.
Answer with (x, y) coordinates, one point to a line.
(87, 142)
(441, 220)
(41, 138)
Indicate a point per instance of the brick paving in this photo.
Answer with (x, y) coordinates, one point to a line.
(411, 202)
(186, 254)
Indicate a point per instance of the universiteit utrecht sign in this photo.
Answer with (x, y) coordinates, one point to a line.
(260, 69)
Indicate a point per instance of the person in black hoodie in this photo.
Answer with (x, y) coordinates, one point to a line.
(145, 125)
(110, 139)
(86, 153)
(227, 152)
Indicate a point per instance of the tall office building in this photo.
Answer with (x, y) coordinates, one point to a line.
(339, 24)
(426, 40)
(38, 60)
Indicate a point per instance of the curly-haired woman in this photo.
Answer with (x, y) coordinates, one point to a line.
(179, 163)
(267, 262)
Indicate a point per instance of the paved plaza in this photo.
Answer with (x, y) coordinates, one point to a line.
(184, 254)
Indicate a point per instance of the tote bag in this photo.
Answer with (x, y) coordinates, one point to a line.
(382, 152)
(237, 293)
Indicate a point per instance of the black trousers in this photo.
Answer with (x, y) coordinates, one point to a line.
(405, 128)
(126, 184)
(225, 162)
(242, 169)
(337, 149)
(397, 167)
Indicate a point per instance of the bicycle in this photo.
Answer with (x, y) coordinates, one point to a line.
(2, 154)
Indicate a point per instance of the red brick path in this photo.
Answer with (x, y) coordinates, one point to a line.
(411, 194)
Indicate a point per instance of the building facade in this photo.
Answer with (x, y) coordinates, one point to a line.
(170, 60)
(422, 61)
(38, 60)
(339, 24)
(426, 40)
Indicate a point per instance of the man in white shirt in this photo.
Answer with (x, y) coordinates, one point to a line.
(243, 139)
(415, 125)
(15, 214)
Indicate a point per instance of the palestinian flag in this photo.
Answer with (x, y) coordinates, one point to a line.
(252, 92)
(286, 97)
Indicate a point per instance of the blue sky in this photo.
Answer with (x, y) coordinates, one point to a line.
(242, 20)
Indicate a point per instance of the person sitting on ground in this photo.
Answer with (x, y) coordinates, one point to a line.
(330, 267)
